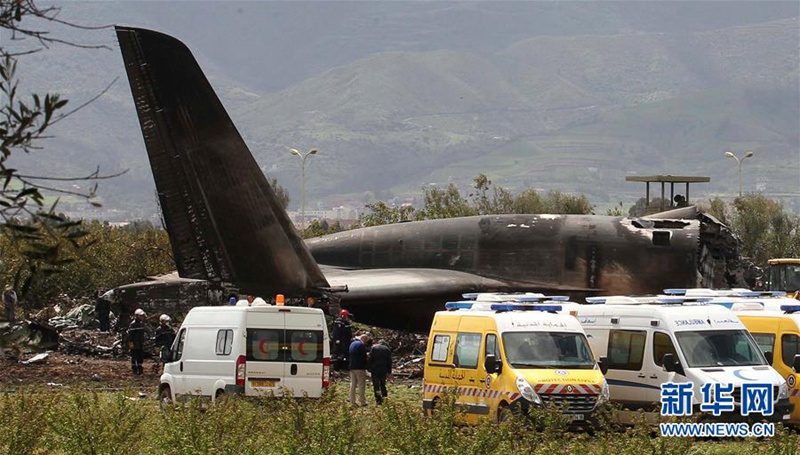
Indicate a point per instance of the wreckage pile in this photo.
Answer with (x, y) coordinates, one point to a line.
(71, 328)
(408, 351)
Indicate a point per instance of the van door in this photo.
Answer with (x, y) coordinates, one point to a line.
(661, 344)
(626, 378)
(265, 356)
(439, 368)
(468, 378)
(766, 342)
(303, 354)
(490, 383)
(175, 366)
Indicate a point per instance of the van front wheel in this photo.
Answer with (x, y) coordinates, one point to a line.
(503, 413)
(165, 398)
(435, 403)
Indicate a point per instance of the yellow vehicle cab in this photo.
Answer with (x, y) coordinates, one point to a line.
(777, 333)
(501, 357)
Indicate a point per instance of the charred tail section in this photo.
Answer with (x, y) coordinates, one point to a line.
(224, 221)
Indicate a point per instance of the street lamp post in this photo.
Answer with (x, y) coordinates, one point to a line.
(303, 157)
(747, 154)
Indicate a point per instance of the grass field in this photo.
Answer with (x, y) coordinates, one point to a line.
(36, 422)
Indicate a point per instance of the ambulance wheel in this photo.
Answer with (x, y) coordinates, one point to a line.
(434, 406)
(165, 398)
(503, 413)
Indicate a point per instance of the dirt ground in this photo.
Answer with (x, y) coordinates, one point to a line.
(70, 371)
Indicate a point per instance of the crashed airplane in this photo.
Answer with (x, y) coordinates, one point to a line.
(226, 225)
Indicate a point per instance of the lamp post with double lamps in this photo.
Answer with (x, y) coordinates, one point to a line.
(739, 161)
(303, 157)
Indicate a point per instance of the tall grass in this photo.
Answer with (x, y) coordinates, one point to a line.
(34, 422)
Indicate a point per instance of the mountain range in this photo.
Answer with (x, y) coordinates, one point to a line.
(570, 96)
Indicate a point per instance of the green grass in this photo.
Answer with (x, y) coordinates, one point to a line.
(36, 421)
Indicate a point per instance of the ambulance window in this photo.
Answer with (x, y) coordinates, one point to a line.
(626, 349)
(765, 341)
(662, 344)
(224, 342)
(305, 345)
(176, 355)
(491, 346)
(790, 346)
(441, 343)
(263, 345)
(467, 349)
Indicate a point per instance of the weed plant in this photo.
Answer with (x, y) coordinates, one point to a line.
(46, 422)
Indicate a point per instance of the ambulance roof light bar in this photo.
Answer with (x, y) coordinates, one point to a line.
(527, 297)
(790, 308)
(517, 307)
(645, 300)
(735, 292)
(451, 306)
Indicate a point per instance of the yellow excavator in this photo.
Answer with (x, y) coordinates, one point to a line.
(784, 275)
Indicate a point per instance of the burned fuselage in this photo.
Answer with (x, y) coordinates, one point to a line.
(579, 255)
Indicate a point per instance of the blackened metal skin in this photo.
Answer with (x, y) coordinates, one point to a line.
(224, 221)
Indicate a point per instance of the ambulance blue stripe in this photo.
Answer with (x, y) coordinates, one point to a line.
(631, 384)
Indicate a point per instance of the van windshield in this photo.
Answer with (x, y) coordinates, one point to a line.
(548, 350)
(719, 348)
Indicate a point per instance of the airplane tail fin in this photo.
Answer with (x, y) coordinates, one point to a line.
(224, 221)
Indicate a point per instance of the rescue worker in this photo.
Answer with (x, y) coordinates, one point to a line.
(358, 370)
(9, 303)
(379, 364)
(102, 308)
(136, 341)
(342, 335)
(165, 335)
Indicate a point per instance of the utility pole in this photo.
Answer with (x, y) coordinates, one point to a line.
(303, 157)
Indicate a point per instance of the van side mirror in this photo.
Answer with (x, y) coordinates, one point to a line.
(602, 362)
(770, 356)
(796, 363)
(492, 364)
(668, 362)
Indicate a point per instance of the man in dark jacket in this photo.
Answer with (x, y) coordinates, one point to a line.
(358, 370)
(102, 308)
(342, 335)
(136, 341)
(379, 364)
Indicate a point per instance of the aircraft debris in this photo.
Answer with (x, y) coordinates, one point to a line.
(38, 358)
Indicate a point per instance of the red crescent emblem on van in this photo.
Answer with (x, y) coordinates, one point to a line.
(300, 347)
(262, 346)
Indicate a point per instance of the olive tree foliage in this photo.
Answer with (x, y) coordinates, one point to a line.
(765, 229)
(317, 228)
(485, 198)
(46, 240)
(118, 255)
(280, 192)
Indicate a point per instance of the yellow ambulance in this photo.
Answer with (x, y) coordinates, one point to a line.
(777, 333)
(504, 357)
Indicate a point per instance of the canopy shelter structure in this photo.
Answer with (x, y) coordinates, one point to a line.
(675, 200)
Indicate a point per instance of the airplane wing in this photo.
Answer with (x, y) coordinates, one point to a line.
(224, 221)
(378, 296)
(393, 283)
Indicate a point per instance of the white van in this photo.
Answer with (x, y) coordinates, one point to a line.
(654, 340)
(259, 350)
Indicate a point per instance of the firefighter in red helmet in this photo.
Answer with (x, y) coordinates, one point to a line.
(342, 335)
